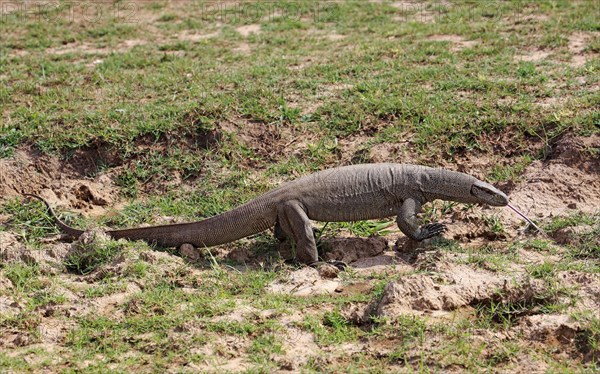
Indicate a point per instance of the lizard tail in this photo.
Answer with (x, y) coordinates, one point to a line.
(63, 226)
(251, 218)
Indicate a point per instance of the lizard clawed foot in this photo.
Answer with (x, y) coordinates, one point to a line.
(431, 230)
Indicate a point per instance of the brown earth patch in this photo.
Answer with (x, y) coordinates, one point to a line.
(302, 63)
(578, 42)
(196, 37)
(243, 48)
(457, 42)
(267, 141)
(532, 56)
(551, 102)
(349, 250)
(454, 287)
(87, 48)
(335, 37)
(567, 182)
(61, 183)
(246, 30)
(304, 282)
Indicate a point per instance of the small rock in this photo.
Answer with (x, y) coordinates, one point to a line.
(189, 252)
(240, 255)
(359, 314)
(351, 249)
(93, 236)
(88, 192)
(287, 364)
(405, 244)
(328, 271)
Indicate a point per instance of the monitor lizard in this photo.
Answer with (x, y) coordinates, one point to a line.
(347, 193)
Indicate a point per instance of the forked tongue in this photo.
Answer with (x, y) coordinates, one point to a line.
(527, 219)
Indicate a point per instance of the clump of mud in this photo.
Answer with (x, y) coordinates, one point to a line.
(58, 182)
(351, 249)
(49, 260)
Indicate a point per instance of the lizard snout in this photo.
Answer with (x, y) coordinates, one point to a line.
(488, 194)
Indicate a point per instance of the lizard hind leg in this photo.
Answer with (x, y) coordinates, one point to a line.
(282, 236)
(294, 223)
(279, 233)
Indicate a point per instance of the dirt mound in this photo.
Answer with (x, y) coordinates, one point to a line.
(569, 180)
(550, 329)
(458, 286)
(50, 260)
(560, 332)
(57, 181)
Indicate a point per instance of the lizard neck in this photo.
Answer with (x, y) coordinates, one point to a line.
(447, 185)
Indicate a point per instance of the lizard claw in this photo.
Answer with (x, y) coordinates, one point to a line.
(431, 230)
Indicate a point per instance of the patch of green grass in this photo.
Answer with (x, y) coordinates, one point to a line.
(588, 340)
(264, 347)
(583, 240)
(493, 262)
(487, 256)
(333, 328)
(9, 140)
(576, 219)
(13, 363)
(545, 270)
(512, 172)
(494, 223)
(360, 228)
(446, 244)
(407, 332)
(105, 287)
(538, 244)
(42, 298)
(504, 312)
(29, 221)
(25, 278)
(459, 348)
(503, 353)
(93, 254)
(138, 269)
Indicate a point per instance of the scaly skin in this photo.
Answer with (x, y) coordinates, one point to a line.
(348, 193)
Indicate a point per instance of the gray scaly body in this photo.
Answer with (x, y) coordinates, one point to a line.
(348, 193)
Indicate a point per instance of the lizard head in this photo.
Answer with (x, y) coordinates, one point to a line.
(488, 194)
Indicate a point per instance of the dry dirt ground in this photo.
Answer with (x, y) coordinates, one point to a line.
(432, 283)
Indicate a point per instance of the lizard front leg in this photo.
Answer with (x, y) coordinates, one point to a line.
(294, 223)
(409, 225)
